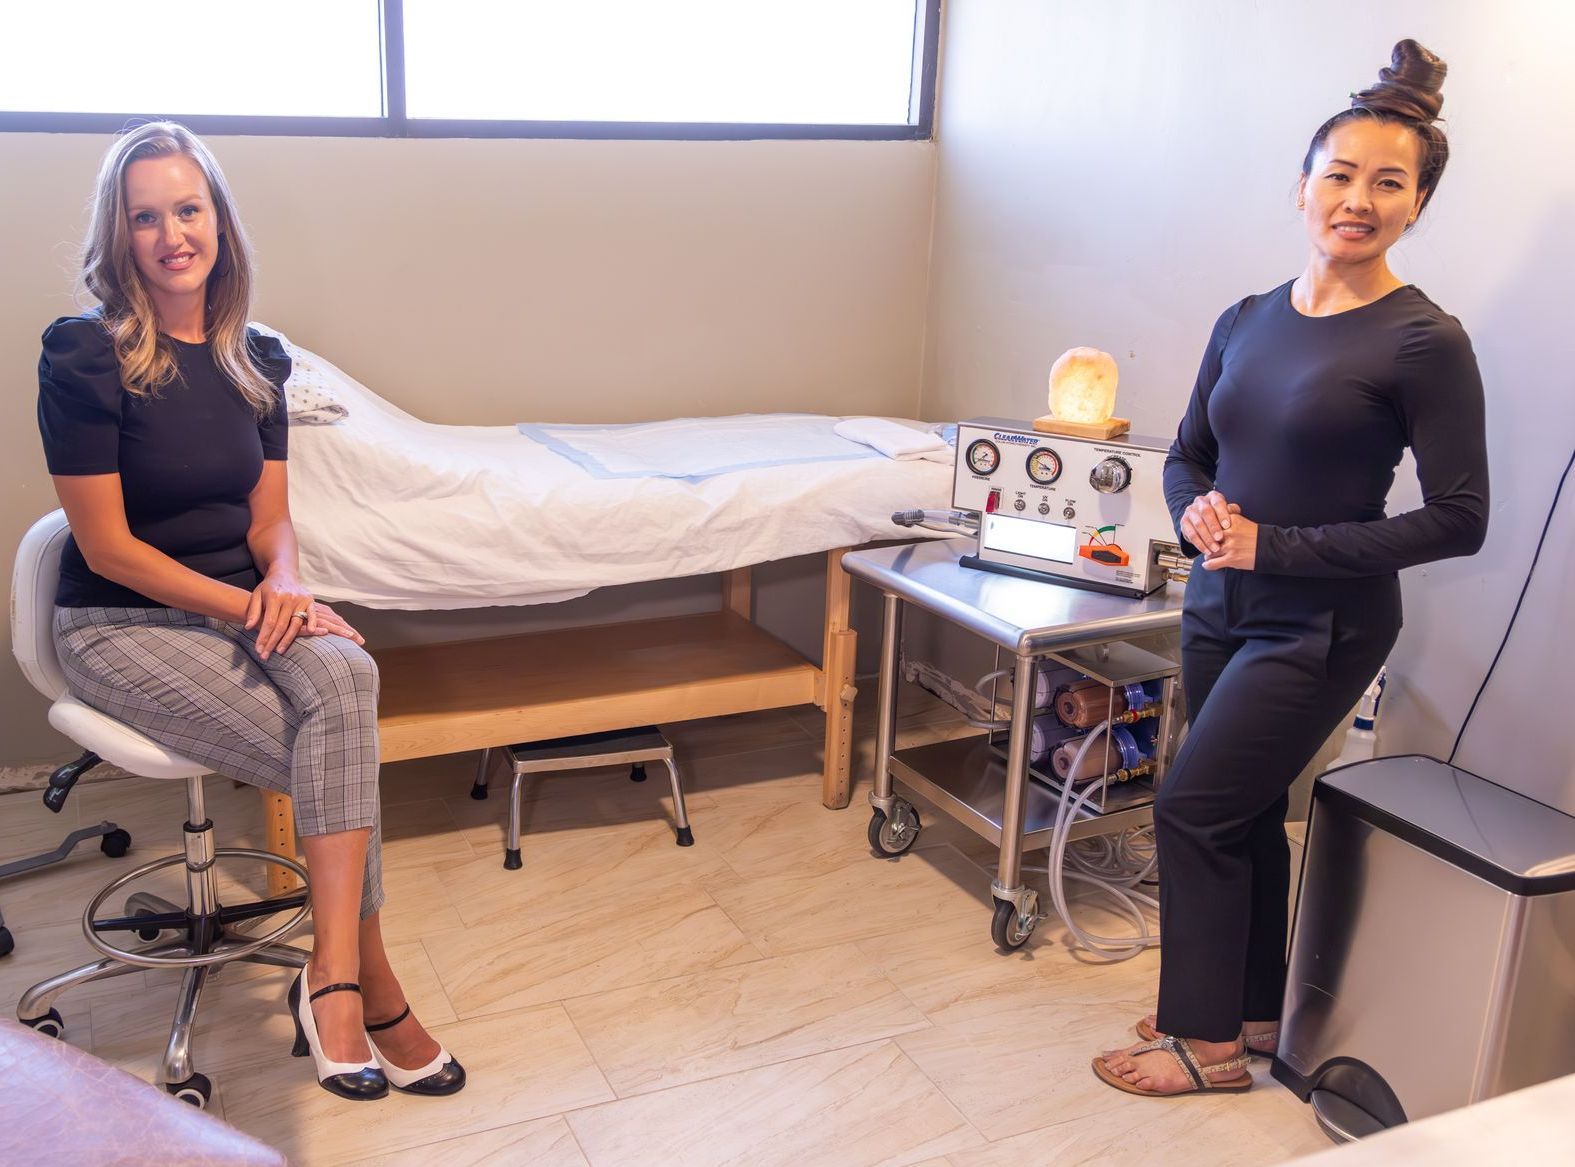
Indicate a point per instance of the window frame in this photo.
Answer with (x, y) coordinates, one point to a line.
(396, 124)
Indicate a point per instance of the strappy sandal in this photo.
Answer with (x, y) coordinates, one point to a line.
(1181, 1049)
(442, 1075)
(1259, 1045)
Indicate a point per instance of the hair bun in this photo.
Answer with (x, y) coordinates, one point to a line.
(1411, 87)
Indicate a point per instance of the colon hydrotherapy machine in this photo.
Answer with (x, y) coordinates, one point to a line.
(1087, 720)
(1084, 511)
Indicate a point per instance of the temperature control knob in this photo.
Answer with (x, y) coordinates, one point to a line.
(1111, 476)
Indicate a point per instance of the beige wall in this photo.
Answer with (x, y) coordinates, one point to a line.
(478, 282)
(1115, 174)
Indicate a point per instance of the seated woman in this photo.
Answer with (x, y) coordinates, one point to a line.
(179, 610)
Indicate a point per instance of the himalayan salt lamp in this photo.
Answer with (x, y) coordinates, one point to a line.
(1083, 386)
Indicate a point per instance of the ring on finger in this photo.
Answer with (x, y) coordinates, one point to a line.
(301, 615)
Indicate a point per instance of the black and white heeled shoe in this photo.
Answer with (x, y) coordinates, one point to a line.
(357, 1081)
(442, 1075)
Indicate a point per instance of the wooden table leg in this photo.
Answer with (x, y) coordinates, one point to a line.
(838, 657)
(738, 592)
(279, 835)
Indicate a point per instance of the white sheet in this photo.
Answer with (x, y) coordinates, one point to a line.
(693, 448)
(394, 512)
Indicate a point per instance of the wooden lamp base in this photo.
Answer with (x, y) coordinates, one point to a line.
(1110, 428)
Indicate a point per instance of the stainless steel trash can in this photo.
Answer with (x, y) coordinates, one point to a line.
(1432, 958)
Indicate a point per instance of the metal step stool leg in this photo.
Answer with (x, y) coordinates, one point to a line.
(478, 789)
(686, 837)
(511, 853)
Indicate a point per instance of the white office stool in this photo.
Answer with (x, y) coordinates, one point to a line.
(208, 934)
(584, 751)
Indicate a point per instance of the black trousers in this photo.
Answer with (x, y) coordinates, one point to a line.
(1270, 666)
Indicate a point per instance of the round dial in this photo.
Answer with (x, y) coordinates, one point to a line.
(983, 457)
(1044, 466)
(1111, 476)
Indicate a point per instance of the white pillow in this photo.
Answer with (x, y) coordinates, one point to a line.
(311, 393)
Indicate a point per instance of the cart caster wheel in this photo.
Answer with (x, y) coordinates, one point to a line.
(116, 843)
(1008, 929)
(896, 835)
(479, 792)
(7, 942)
(511, 859)
(195, 1090)
(637, 772)
(51, 1024)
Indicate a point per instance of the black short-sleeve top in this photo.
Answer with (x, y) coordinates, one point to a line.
(188, 455)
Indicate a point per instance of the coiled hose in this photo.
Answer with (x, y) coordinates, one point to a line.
(1113, 864)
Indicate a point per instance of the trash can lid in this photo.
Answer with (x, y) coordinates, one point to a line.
(1512, 841)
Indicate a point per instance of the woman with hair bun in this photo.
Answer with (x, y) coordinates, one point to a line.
(1277, 480)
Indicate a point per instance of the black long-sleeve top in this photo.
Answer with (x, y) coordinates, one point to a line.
(1301, 420)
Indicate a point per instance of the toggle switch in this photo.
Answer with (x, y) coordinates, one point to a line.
(993, 502)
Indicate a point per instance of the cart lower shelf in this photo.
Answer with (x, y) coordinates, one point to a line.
(966, 779)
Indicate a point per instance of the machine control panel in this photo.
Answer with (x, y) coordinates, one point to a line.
(1083, 510)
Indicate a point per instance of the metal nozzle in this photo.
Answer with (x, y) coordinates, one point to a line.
(949, 522)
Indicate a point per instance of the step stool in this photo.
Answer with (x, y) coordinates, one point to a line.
(586, 751)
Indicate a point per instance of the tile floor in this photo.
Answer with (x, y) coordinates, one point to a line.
(772, 995)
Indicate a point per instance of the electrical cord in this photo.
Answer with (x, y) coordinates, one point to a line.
(1536, 555)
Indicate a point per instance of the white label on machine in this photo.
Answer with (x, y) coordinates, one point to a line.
(1026, 537)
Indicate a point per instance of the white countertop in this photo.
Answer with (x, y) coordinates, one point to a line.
(1531, 1126)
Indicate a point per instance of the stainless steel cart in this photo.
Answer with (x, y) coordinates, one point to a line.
(968, 779)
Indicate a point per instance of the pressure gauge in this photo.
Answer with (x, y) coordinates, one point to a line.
(983, 457)
(1044, 466)
(1111, 476)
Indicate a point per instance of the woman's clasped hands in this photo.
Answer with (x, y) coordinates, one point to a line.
(1217, 528)
(281, 609)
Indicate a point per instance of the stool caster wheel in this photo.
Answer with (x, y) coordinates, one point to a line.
(890, 837)
(147, 935)
(1010, 929)
(51, 1024)
(511, 859)
(479, 792)
(196, 1090)
(637, 772)
(116, 843)
(7, 941)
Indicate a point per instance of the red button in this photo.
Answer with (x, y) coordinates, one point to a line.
(992, 502)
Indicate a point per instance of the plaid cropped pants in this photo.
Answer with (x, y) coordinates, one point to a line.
(303, 722)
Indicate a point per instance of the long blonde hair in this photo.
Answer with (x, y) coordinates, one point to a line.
(147, 359)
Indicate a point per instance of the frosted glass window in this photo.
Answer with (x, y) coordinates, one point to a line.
(826, 62)
(283, 58)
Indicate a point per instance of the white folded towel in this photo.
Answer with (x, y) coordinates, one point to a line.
(895, 440)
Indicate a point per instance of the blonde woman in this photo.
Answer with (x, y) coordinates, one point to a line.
(180, 609)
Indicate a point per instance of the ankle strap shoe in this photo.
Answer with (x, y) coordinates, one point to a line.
(357, 1081)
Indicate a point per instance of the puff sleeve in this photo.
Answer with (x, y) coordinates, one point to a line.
(272, 362)
(79, 398)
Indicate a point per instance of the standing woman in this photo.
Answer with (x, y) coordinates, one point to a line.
(180, 610)
(1307, 397)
